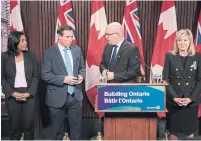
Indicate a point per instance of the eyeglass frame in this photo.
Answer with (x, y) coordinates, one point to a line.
(109, 34)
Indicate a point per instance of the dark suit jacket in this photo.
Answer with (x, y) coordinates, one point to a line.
(54, 71)
(126, 67)
(8, 72)
(183, 81)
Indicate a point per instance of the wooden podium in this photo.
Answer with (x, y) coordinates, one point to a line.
(134, 120)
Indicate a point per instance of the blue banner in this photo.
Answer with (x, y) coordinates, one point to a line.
(131, 98)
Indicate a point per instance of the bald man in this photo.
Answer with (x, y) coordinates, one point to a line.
(119, 59)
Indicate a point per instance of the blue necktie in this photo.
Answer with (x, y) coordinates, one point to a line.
(113, 55)
(69, 69)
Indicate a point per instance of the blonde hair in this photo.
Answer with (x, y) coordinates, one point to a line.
(187, 32)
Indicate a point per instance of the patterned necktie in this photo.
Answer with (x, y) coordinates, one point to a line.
(69, 69)
(113, 55)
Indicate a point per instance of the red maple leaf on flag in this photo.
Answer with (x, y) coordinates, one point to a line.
(15, 16)
(162, 46)
(165, 36)
(96, 45)
(95, 48)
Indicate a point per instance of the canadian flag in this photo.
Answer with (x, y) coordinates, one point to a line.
(166, 34)
(65, 17)
(15, 16)
(198, 49)
(132, 28)
(96, 45)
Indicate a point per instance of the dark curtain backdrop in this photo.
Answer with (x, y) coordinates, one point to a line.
(39, 21)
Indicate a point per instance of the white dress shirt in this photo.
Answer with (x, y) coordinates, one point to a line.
(61, 49)
(20, 79)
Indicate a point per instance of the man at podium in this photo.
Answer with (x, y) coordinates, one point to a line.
(120, 61)
(121, 64)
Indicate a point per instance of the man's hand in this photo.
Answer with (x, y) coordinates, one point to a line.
(71, 80)
(110, 75)
(104, 72)
(80, 79)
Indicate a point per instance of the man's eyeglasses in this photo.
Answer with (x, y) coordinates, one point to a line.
(109, 34)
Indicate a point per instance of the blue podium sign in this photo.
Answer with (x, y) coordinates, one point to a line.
(130, 98)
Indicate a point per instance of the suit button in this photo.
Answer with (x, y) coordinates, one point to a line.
(189, 77)
(191, 69)
(177, 76)
(186, 83)
(176, 69)
(178, 83)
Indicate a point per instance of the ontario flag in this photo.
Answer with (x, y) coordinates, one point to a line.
(198, 49)
(65, 17)
(165, 36)
(15, 16)
(96, 45)
(132, 28)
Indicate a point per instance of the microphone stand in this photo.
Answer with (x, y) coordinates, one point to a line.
(103, 79)
(151, 73)
(99, 136)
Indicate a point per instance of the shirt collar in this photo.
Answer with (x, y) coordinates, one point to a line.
(119, 44)
(61, 47)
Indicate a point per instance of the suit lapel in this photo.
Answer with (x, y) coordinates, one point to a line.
(179, 63)
(109, 56)
(60, 58)
(73, 52)
(120, 52)
(189, 61)
(26, 63)
(12, 61)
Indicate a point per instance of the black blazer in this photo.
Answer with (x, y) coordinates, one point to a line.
(8, 72)
(184, 81)
(54, 71)
(126, 67)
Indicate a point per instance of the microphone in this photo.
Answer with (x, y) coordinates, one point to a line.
(144, 63)
(159, 79)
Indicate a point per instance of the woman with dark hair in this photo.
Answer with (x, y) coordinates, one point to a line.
(19, 79)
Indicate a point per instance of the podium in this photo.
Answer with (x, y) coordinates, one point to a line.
(130, 109)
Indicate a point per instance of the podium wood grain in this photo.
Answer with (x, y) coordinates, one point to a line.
(130, 128)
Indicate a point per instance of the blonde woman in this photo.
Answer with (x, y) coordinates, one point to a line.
(182, 70)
